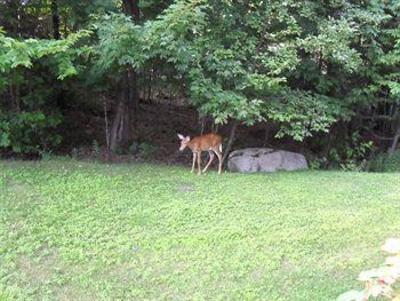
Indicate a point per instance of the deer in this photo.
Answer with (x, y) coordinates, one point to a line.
(207, 142)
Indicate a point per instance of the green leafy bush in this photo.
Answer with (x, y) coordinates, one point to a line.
(352, 155)
(146, 150)
(29, 132)
(382, 281)
(96, 149)
(317, 163)
(385, 162)
(24, 126)
(143, 149)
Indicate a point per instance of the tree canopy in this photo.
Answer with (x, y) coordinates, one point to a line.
(304, 66)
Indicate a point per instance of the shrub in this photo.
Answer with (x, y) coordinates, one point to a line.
(385, 162)
(29, 132)
(146, 150)
(351, 155)
(380, 282)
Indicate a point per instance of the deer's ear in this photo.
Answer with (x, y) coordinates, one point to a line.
(181, 136)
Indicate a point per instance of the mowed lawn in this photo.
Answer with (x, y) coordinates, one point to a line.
(88, 231)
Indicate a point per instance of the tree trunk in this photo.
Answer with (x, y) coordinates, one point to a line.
(396, 123)
(114, 139)
(131, 8)
(396, 138)
(148, 97)
(122, 134)
(15, 93)
(231, 140)
(267, 131)
(56, 19)
(133, 90)
(106, 124)
(202, 122)
(120, 128)
(17, 98)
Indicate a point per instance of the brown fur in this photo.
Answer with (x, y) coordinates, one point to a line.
(208, 142)
(205, 142)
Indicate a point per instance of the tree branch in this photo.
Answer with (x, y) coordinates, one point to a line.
(231, 139)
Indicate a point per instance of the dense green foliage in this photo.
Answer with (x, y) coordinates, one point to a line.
(303, 66)
(73, 230)
(24, 125)
(385, 163)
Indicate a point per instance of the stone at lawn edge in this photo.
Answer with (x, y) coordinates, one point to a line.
(265, 160)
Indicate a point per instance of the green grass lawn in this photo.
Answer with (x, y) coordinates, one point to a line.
(85, 231)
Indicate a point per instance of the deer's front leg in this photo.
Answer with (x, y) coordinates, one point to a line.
(194, 162)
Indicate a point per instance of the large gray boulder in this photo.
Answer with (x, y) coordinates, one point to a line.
(265, 160)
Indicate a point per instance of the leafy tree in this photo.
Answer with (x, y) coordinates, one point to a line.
(24, 125)
(328, 68)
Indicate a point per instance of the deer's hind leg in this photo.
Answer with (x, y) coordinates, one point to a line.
(219, 155)
(199, 162)
(211, 154)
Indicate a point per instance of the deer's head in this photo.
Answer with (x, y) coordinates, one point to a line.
(184, 141)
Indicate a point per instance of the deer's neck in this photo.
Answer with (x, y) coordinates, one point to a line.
(193, 146)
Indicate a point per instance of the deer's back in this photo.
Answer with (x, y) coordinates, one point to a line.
(206, 142)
